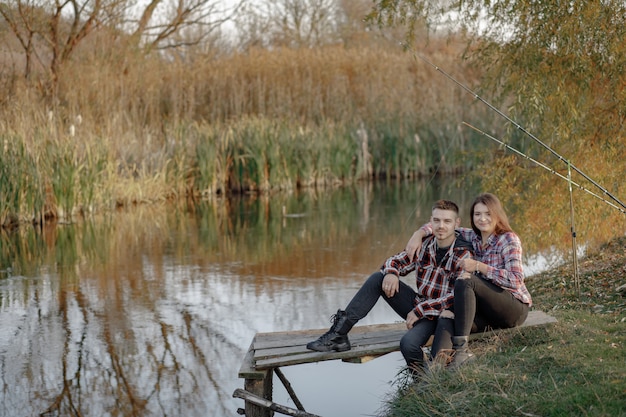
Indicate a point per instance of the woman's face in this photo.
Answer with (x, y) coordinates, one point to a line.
(483, 220)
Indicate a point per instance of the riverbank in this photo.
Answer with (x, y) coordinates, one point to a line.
(575, 367)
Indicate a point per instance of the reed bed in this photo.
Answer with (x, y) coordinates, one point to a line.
(128, 129)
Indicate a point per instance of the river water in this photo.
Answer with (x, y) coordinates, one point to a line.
(149, 312)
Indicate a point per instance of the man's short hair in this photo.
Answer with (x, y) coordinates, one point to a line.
(446, 205)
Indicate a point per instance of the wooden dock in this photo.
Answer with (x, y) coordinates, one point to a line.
(269, 351)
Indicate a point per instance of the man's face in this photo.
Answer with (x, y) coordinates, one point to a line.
(443, 223)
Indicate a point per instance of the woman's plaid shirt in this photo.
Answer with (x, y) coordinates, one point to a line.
(503, 257)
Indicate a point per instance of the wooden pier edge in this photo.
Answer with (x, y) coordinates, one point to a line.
(269, 351)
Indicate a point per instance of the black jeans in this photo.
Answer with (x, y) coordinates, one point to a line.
(402, 303)
(478, 305)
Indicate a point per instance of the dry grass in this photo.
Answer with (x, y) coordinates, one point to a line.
(126, 129)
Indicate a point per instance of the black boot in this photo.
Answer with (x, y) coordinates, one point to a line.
(462, 354)
(336, 338)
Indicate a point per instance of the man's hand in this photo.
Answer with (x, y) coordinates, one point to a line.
(391, 285)
(411, 319)
(414, 244)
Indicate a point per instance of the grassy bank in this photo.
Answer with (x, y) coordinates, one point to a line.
(576, 367)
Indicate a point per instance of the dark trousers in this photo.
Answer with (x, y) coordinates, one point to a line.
(478, 305)
(402, 303)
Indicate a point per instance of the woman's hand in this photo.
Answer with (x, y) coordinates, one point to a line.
(414, 244)
(465, 275)
(471, 265)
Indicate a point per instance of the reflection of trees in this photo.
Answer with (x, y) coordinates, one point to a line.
(65, 402)
(106, 338)
(337, 226)
(163, 360)
(116, 332)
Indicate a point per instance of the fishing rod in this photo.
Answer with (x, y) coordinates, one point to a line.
(573, 230)
(571, 198)
(519, 127)
(551, 170)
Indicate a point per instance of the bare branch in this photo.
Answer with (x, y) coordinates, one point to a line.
(55, 29)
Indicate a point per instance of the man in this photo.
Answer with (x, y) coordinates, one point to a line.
(437, 266)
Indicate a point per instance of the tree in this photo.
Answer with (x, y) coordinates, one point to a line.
(49, 32)
(291, 23)
(557, 67)
(170, 24)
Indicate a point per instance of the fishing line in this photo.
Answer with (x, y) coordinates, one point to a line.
(551, 170)
(571, 199)
(519, 127)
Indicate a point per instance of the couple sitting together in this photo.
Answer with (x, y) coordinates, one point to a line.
(466, 281)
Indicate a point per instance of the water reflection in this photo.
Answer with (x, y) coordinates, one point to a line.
(150, 312)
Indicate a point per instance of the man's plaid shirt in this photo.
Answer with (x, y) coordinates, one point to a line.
(434, 282)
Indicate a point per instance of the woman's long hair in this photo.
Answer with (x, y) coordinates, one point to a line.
(497, 213)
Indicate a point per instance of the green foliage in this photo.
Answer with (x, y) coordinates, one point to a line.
(64, 173)
(559, 70)
(260, 154)
(20, 186)
(286, 118)
(92, 175)
(207, 161)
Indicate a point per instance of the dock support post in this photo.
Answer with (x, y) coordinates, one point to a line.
(257, 382)
(262, 388)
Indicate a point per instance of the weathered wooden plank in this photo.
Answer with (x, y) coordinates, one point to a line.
(300, 337)
(535, 318)
(309, 356)
(357, 329)
(248, 369)
(367, 342)
(262, 388)
(355, 341)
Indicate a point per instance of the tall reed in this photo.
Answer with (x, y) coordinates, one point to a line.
(21, 191)
(128, 128)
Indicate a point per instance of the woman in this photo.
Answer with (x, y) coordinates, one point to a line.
(491, 293)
